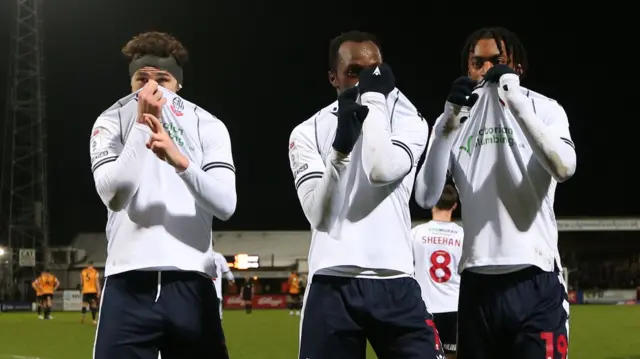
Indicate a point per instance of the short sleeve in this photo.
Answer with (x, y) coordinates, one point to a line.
(409, 130)
(106, 143)
(216, 145)
(304, 158)
(555, 117)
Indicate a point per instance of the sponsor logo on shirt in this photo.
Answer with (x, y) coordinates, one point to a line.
(176, 133)
(490, 136)
(99, 155)
(301, 169)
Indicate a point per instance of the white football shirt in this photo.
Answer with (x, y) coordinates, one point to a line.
(507, 196)
(222, 268)
(437, 249)
(368, 233)
(165, 222)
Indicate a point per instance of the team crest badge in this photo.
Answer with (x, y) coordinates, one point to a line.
(177, 106)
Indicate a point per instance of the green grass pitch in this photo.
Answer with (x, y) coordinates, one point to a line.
(597, 332)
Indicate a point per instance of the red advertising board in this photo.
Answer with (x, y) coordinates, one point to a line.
(275, 301)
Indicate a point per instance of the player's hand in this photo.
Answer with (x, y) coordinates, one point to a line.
(150, 100)
(377, 79)
(459, 102)
(495, 73)
(350, 118)
(163, 146)
(461, 93)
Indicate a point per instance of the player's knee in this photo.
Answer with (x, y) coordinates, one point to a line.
(84, 309)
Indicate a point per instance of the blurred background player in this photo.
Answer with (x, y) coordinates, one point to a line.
(294, 285)
(506, 161)
(222, 269)
(39, 297)
(437, 248)
(246, 292)
(90, 283)
(48, 283)
(163, 167)
(354, 166)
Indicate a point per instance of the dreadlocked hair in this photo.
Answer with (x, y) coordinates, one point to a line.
(513, 45)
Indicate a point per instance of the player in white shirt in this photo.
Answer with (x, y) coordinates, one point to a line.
(353, 167)
(437, 248)
(222, 269)
(163, 168)
(506, 160)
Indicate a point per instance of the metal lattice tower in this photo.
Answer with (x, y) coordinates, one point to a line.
(24, 172)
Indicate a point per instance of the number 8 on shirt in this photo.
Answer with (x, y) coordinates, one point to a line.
(437, 248)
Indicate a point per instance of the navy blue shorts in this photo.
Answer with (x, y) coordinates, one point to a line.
(143, 312)
(521, 315)
(340, 314)
(447, 325)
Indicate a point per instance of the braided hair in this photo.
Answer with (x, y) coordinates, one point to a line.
(515, 50)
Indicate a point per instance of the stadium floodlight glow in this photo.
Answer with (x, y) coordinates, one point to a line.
(2, 251)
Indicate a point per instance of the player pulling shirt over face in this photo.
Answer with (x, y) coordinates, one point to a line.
(506, 160)
(163, 168)
(353, 167)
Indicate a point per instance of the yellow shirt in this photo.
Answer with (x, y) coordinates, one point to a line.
(47, 283)
(294, 284)
(36, 287)
(90, 280)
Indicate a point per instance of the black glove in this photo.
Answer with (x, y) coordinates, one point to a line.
(462, 92)
(495, 73)
(350, 118)
(377, 79)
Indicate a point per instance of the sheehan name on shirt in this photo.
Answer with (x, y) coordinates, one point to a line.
(442, 240)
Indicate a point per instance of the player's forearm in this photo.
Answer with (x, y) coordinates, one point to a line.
(556, 156)
(432, 176)
(229, 276)
(214, 190)
(316, 193)
(384, 161)
(117, 181)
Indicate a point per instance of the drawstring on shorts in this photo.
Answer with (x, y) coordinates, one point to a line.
(159, 285)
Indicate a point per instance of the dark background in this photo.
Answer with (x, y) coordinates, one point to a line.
(260, 66)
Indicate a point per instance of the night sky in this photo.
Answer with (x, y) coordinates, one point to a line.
(260, 66)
